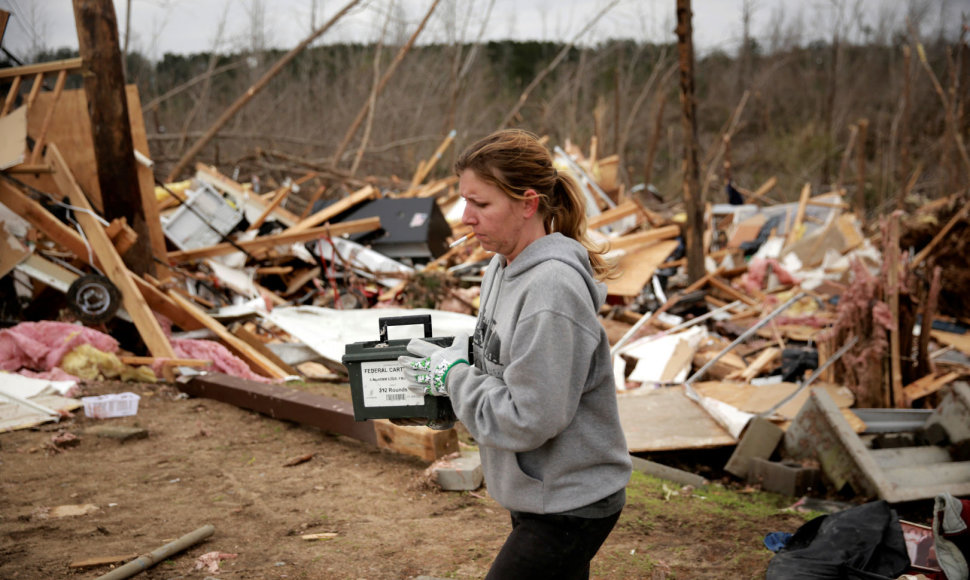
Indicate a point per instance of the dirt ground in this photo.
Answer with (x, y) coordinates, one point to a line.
(206, 462)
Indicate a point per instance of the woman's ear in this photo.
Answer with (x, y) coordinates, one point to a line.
(531, 203)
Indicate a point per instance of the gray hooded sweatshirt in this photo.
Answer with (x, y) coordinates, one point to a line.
(540, 400)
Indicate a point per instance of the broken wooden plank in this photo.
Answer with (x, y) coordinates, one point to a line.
(162, 304)
(895, 396)
(252, 340)
(45, 126)
(278, 198)
(112, 264)
(259, 363)
(326, 214)
(918, 258)
(927, 386)
(613, 214)
(70, 65)
(766, 357)
(283, 239)
(634, 240)
(794, 229)
(637, 267)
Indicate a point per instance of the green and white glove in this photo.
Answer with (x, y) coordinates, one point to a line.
(427, 372)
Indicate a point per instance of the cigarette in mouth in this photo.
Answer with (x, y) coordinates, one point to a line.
(461, 240)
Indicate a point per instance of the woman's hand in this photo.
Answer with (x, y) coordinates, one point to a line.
(427, 372)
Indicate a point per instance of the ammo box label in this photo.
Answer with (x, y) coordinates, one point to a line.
(383, 385)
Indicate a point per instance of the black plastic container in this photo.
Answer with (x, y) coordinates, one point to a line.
(377, 382)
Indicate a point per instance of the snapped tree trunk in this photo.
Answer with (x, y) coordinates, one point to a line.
(104, 85)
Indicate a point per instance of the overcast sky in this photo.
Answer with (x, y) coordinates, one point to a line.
(186, 26)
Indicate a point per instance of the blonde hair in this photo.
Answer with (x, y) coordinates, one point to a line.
(515, 161)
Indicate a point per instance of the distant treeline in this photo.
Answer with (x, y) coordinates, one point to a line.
(790, 114)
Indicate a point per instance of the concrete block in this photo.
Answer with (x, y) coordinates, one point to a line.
(785, 477)
(760, 438)
(463, 473)
(118, 432)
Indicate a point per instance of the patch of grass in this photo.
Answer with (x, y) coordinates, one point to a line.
(614, 564)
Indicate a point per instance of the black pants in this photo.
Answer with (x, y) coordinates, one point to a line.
(550, 546)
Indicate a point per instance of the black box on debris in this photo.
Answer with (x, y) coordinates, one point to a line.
(410, 227)
(378, 386)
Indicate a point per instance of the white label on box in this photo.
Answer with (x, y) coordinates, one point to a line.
(383, 384)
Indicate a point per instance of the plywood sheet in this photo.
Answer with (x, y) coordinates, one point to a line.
(637, 266)
(13, 138)
(758, 399)
(665, 419)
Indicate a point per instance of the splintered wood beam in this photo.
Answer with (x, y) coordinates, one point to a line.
(895, 396)
(284, 239)
(927, 385)
(642, 238)
(112, 264)
(39, 141)
(326, 214)
(799, 215)
(259, 363)
(613, 214)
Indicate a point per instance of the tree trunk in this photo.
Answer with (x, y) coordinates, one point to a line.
(104, 85)
(693, 196)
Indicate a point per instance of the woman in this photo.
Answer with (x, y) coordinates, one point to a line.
(539, 400)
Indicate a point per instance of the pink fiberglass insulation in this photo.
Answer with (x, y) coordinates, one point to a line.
(756, 277)
(40, 346)
(223, 361)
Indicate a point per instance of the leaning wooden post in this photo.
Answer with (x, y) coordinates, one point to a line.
(895, 394)
(104, 86)
(693, 196)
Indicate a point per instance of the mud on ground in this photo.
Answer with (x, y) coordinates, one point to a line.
(207, 462)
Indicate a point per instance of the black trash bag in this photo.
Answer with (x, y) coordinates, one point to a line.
(861, 543)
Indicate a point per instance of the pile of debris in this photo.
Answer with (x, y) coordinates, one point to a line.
(803, 329)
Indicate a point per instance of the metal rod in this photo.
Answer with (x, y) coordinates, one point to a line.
(744, 336)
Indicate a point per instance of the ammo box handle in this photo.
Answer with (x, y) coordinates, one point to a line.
(424, 319)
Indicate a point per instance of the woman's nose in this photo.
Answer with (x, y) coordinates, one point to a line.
(467, 216)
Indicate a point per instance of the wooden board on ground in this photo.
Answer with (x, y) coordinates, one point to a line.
(637, 267)
(665, 419)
